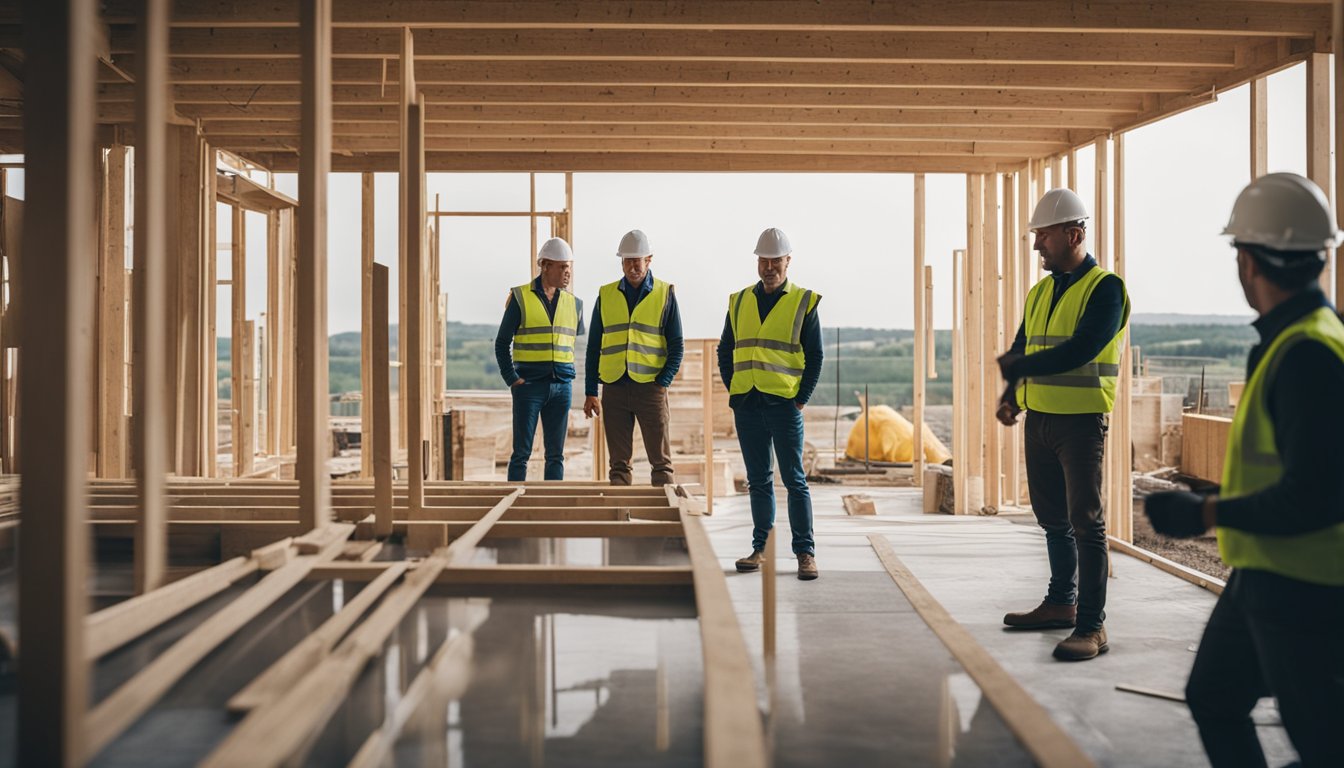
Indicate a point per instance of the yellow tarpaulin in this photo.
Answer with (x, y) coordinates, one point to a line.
(891, 438)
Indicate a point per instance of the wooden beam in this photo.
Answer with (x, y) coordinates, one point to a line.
(150, 401)
(53, 680)
(311, 277)
(733, 733)
(239, 190)
(527, 574)
(919, 374)
(126, 704)
(367, 322)
(1300, 19)
(1259, 127)
(448, 44)
(1044, 739)
(1318, 120)
(412, 387)
(112, 319)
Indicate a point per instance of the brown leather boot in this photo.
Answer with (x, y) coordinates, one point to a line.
(1044, 616)
(807, 567)
(751, 562)
(1081, 646)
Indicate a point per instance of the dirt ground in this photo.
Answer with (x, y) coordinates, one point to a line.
(1200, 554)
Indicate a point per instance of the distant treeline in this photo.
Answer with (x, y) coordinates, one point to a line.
(882, 359)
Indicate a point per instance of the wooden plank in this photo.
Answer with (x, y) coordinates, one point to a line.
(275, 337)
(288, 669)
(1259, 127)
(1318, 120)
(959, 399)
(975, 346)
(238, 374)
(412, 382)
(1191, 575)
(708, 359)
(1045, 740)
(53, 680)
(119, 624)
(275, 732)
(366, 324)
(381, 405)
(311, 277)
(1011, 443)
(525, 574)
(207, 237)
(121, 708)
(991, 344)
(406, 92)
(150, 400)
(112, 318)
(1122, 515)
(733, 733)
(920, 372)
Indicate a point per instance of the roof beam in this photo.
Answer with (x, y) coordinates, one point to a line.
(724, 74)
(1233, 17)
(715, 45)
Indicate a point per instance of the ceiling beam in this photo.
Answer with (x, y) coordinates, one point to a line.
(714, 45)
(684, 74)
(242, 96)
(1232, 17)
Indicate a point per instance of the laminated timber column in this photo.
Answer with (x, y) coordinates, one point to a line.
(403, 236)
(413, 369)
(973, 341)
(58, 116)
(150, 398)
(959, 404)
(311, 280)
(1026, 262)
(921, 348)
(1259, 128)
(240, 365)
(1318, 137)
(112, 318)
(366, 325)
(991, 343)
(277, 336)
(1120, 507)
(1011, 443)
(190, 366)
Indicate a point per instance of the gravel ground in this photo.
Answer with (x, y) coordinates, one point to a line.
(1200, 554)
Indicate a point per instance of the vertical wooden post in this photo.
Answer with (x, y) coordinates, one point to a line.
(1026, 276)
(1318, 120)
(919, 374)
(112, 319)
(380, 443)
(1100, 228)
(239, 371)
(930, 340)
(245, 438)
(1259, 127)
(991, 330)
(1120, 510)
(58, 116)
(974, 341)
(1073, 169)
(275, 335)
(403, 237)
(1011, 445)
(150, 291)
(366, 322)
(1056, 174)
(707, 347)
(311, 281)
(412, 380)
(209, 298)
(532, 222)
(189, 374)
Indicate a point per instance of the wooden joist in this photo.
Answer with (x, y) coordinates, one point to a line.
(525, 575)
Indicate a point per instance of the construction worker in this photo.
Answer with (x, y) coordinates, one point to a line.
(541, 320)
(1062, 369)
(770, 358)
(639, 328)
(1279, 513)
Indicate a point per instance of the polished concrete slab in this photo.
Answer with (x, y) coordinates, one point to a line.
(979, 569)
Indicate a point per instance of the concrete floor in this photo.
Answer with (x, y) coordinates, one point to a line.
(979, 569)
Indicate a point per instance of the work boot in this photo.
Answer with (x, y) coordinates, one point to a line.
(1044, 616)
(1081, 646)
(751, 562)
(807, 567)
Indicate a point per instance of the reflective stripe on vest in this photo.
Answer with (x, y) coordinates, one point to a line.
(539, 339)
(768, 355)
(1089, 388)
(633, 345)
(1253, 464)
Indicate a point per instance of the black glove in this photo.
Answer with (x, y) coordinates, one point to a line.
(1179, 514)
(1006, 363)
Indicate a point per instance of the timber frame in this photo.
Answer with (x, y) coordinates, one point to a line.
(217, 94)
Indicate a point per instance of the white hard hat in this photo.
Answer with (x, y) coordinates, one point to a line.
(773, 244)
(1058, 206)
(555, 249)
(1284, 212)
(634, 245)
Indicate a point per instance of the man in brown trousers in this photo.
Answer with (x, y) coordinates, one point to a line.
(635, 348)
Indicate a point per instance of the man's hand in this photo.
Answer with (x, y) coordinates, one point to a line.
(591, 407)
(1179, 514)
(1006, 362)
(517, 383)
(798, 405)
(1007, 413)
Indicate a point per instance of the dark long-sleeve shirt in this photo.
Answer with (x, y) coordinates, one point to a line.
(1305, 404)
(1100, 322)
(508, 328)
(812, 355)
(676, 345)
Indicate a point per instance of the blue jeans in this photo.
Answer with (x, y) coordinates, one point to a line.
(757, 429)
(550, 400)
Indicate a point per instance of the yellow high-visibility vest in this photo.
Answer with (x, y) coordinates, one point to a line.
(1253, 463)
(1089, 388)
(768, 355)
(539, 338)
(632, 343)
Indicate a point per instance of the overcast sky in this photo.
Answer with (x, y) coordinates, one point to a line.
(852, 233)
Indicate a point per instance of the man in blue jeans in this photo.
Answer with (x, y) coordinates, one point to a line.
(770, 358)
(541, 321)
